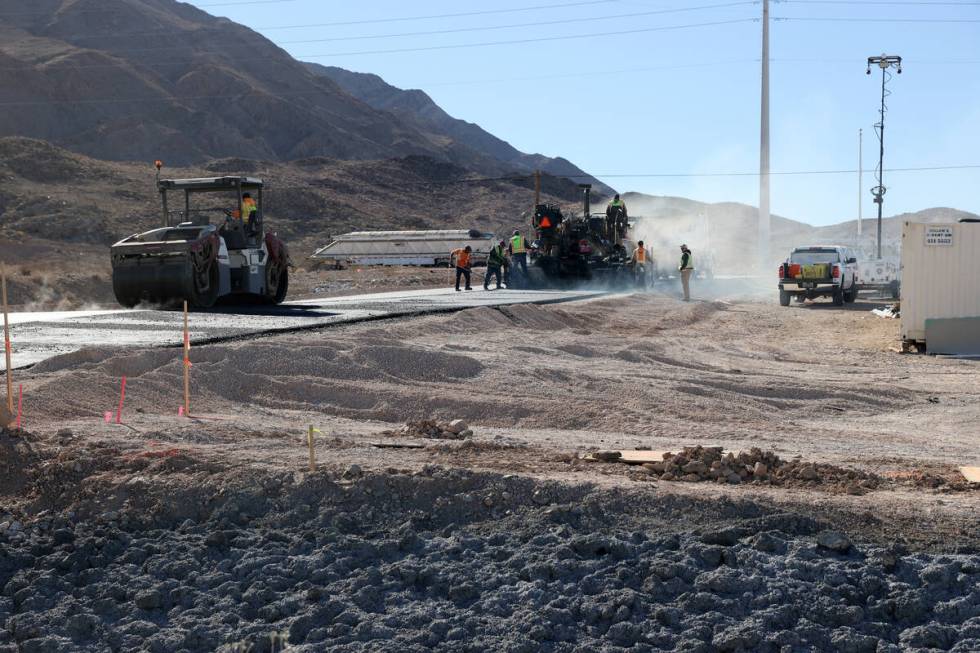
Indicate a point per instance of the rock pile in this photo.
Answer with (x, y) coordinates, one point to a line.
(457, 429)
(694, 464)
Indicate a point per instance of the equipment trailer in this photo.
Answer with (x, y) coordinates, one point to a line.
(191, 259)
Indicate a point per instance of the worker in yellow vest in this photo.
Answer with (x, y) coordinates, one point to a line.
(248, 207)
(518, 251)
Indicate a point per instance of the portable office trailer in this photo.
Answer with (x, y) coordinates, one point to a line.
(941, 287)
(404, 247)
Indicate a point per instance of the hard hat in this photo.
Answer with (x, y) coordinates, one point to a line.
(616, 197)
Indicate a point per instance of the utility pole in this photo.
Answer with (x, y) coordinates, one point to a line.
(860, 179)
(884, 62)
(764, 145)
(537, 188)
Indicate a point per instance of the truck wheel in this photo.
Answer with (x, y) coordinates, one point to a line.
(851, 295)
(784, 298)
(895, 289)
(838, 297)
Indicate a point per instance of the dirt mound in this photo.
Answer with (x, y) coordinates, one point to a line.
(712, 464)
(430, 428)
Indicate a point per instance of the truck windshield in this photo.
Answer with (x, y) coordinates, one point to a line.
(810, 257)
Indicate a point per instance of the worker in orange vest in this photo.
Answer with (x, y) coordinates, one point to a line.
(461, 259)
(639, 260)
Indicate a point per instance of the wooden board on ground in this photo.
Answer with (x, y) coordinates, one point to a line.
(398, 445)
(628, 456)
(640, 456)
(971, 474)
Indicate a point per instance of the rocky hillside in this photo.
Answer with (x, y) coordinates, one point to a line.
(415, 107)
(128, 80)
(50, 193)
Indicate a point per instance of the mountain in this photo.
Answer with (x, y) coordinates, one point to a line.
(415, 107)
(729, 230)
(146, 79)
(157, 79)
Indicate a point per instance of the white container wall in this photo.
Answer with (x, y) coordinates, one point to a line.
(940, 274)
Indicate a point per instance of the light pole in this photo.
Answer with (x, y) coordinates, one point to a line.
(764, 145)
(860, 181)
(884, 61)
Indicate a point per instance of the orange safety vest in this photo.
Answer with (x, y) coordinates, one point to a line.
(462, 258)
(640, 255)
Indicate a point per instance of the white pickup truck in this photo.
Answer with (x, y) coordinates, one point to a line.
(813, 271)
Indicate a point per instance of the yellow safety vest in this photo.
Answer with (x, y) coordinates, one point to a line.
(248, 208)
(517, 244)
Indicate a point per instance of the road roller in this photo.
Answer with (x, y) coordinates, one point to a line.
(191, 259)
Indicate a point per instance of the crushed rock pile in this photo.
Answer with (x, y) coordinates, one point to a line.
(698, 464)
(448, 560)
(456, 429)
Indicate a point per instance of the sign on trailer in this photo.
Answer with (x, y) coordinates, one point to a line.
(939, 236)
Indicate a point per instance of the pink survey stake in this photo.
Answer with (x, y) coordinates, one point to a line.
(122, 398)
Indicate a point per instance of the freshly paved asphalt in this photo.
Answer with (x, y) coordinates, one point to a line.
(38, 336)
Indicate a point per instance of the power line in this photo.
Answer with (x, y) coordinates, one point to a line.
(539, 39)
(201, 6)
(600, 176)
(874, 20)
(460, 29)
(784, 173)
(485, 12)
(273, 94)
(372, 21)
(564, 21)
(881, 2)
(328, 55)
(591, 73)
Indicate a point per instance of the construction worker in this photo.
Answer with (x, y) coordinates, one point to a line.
(638, 261)
(495, 261)
(686, 269)
(518, 251)
(460, 258)
(616, 207)
(248, 207)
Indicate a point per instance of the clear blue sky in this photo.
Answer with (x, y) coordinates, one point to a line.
(681, 100)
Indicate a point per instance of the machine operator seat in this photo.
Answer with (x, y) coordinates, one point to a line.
(233, 231)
